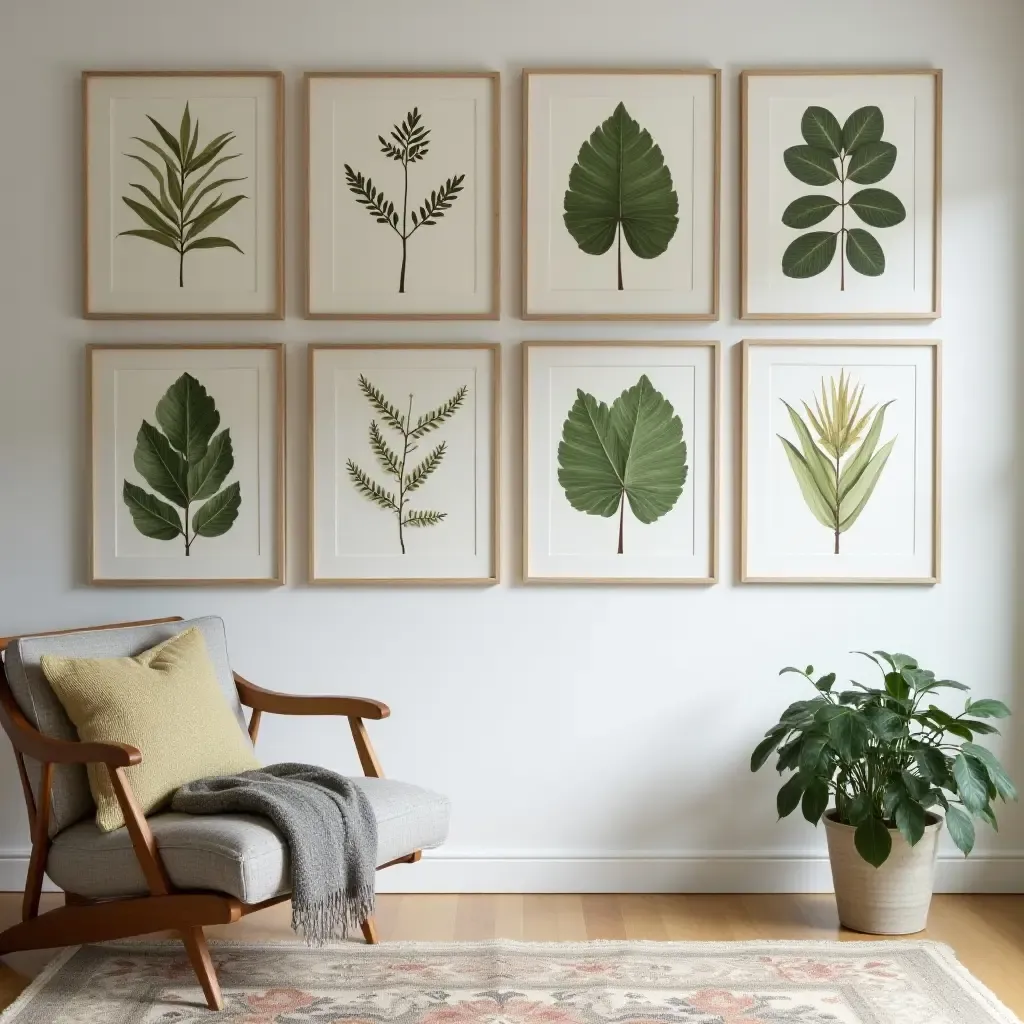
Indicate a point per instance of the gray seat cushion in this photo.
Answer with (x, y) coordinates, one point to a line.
(71, 797)
(239, 854)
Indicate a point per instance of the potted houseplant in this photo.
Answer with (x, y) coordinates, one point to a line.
(878, 764)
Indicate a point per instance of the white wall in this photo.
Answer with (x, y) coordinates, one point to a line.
(589, 738)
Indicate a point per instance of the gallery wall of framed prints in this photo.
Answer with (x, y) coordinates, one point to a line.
(623, 451)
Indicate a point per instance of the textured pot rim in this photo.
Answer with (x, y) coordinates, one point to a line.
(933, 822)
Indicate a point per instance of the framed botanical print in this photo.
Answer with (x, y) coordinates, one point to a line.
(620, 450)
(840, 462)
(187, 463)
(841, 194)
(184, 195)
(404, 443)
(620, 194)
(402, 194)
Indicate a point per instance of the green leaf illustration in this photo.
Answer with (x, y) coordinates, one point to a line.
(409, 144)
(620, 187)
(186, 463)
(835, 485)
(170, 214)
(831, 157)
(631, 452)
(407, 477)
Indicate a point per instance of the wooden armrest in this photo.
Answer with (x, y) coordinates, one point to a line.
(259, 699)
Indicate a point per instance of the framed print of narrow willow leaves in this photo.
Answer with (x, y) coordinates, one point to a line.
(621, 194)
(183, 194)
(840, 461)
(841, 194)
(403, 189)
(620, 461)
(187, 463)
(404, 465)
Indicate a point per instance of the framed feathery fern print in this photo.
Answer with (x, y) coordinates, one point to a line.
(620, 451)
(402, 194)
(841, 194)
(187, 449)
(840, 461)
(184, 203)
(404, 463)
(620, 194)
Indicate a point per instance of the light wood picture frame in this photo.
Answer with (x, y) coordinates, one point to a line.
(371, 407)
(187, 455)
(183, 195)
(841, 194)
(841, 458)
(584, 257)
(388, 153)
(580, 401)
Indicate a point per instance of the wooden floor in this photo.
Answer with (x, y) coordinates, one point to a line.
(987, 932)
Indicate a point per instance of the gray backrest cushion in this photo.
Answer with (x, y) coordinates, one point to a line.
(71, 798)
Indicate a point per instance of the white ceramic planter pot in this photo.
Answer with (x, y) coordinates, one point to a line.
(892, 899)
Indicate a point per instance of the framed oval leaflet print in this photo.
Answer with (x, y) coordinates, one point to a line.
(402, 195)
(620, 194)
(187, 463)
(183, 194)
(840, 462)
(841, 194)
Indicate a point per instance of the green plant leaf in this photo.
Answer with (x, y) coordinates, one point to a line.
(815, 801)
(766, 747)
(811, 165)
(971, 782)
(213, 212)
(987, 708)
(849, 734)
(864, 125)
(933, 765)
(185, 135)
(1004, 785)
(419, 519)
(821, 469)
(634, 448)
(436, 417)
(910, 820)
(160, 465)
(620, 180)
(885, 724)
(896, 686)
(858, 809)
(851, 472)
(161, 205)
(418, 476)
(871, 163)
(370, 489)
(809, 254)
(820, 129)
(212, 242)
(210, 151)
(857, 497)
(826, 682)
(864, 253)
(152, 517)
(810, 753)
(206, 475)
(169, 140)
(961, 829)
(188, 416)
(808, 210)
(154, 236)
(151, 217)
(914, 785)
(877, 207)
(873, 841)
(813, 497)
(789, 795)
(216, 516)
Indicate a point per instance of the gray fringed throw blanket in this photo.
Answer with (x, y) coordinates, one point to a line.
(330, 830)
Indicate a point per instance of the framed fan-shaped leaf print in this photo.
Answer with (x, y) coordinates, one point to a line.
(620, 194)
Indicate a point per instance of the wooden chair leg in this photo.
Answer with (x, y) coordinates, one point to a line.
(370, 931)
(199, 955)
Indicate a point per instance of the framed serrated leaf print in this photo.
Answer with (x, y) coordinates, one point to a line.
(404, 463)
(840, 461)
(841, 194)
(184, 202)
(620, 452)
(402, 195)
(620, 194)
(187, 449)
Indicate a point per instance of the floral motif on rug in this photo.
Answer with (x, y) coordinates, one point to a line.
(519, 983)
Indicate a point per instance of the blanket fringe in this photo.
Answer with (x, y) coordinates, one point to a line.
(331, 918)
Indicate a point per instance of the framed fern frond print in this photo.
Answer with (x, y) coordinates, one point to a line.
(183, 181)
(402, 195)
(404, 463)
(841, 194)
(620, 194)
(840, 456)
(187, 463)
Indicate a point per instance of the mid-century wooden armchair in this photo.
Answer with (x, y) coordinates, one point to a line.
(170, 871)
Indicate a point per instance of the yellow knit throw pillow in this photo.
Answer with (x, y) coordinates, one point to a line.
(166, 702)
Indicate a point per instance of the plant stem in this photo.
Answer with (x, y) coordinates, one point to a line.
(842, 240)
(181, 252)
(406, 430)
(622, 516)
(836, 552)
(405, 207)
(188, 540)
(619, 232)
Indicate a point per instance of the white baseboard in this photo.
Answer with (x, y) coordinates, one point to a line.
(443, 871)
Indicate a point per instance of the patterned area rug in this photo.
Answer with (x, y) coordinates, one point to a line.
(518, 983)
